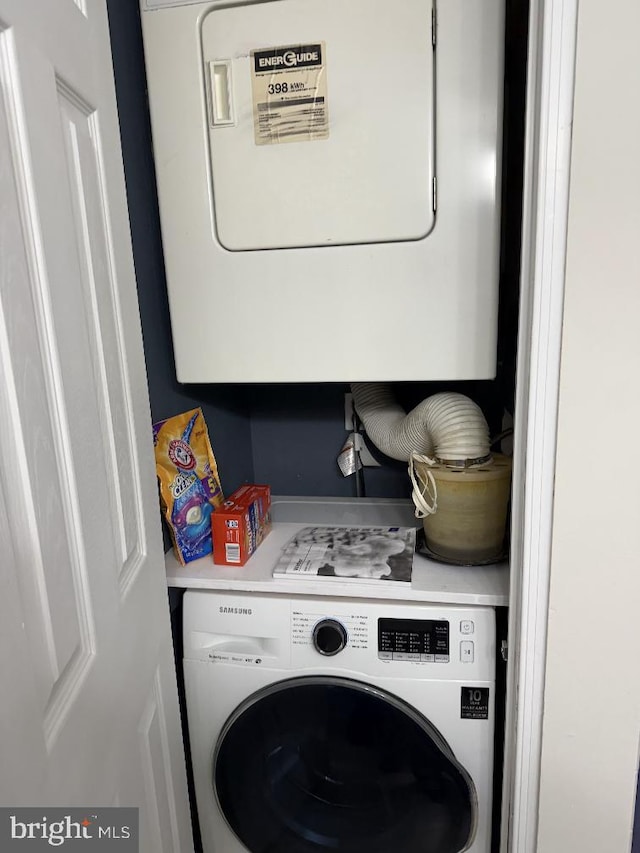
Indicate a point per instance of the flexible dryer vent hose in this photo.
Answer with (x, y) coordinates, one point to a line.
(446, 428)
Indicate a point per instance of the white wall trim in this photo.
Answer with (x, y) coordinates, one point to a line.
(546, 195)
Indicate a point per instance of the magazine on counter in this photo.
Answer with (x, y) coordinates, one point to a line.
(350, 553)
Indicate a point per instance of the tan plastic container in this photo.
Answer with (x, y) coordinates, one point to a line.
(469, 524)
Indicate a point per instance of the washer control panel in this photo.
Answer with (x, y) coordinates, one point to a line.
(323, 630)
(365, 638)
(430, 641)
(422, 640)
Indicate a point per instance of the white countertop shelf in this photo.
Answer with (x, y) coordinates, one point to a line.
(431, 581)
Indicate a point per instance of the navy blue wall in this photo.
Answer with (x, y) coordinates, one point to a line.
(297, 433)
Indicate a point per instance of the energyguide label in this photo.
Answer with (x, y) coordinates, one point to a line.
(290, 102)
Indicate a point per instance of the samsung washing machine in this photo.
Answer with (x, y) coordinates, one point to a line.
(344, 725)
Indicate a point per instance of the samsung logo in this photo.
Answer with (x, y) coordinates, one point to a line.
(240, 611)
(298, 56)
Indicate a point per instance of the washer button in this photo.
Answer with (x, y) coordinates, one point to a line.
(467, 626)
(466, 651)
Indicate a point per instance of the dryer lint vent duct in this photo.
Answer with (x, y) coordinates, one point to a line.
(460, 490)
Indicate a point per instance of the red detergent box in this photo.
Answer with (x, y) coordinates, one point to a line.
(240, 524)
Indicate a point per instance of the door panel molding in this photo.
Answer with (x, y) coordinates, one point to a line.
(550, 75)
(84, 615)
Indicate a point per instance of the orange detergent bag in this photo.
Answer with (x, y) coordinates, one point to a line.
(189, 482)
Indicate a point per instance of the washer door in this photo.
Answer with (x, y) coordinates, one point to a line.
(322, 763)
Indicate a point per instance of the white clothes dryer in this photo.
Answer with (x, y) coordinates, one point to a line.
(352, 725)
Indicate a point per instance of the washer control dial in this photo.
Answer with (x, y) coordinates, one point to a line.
(329, 637)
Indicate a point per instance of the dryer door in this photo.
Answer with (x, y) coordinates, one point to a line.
(323, 763)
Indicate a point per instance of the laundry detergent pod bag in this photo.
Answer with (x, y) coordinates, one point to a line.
(189, 482)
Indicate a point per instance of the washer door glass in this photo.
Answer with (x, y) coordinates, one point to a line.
(313, 764)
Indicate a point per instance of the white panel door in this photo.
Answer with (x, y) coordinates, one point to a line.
(89, 712)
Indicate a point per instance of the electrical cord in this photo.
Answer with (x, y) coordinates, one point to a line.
(359, 473)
